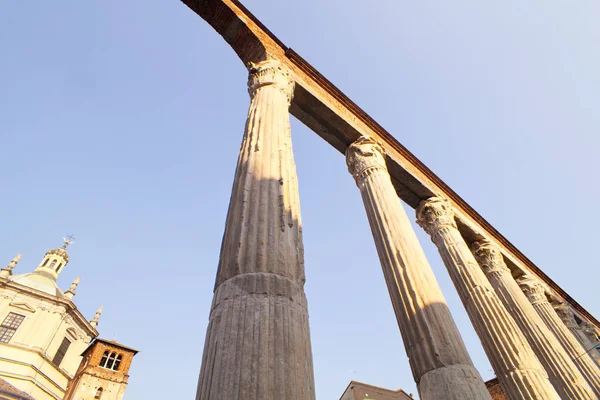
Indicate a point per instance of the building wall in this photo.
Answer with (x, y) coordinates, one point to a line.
(495, 390)
(362, 391)
(88, 385)
(26, 360)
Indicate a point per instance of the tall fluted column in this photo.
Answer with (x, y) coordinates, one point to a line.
(438, 358)
(563, 374)
(518, 370)
(257, 343)
(566, 315)
(536, 294)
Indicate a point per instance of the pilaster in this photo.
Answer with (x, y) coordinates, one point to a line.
(438, 358)
(536, 294)
(563, 374)
(517, 368)
(257, 343)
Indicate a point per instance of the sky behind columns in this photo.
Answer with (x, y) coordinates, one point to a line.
(120, 122)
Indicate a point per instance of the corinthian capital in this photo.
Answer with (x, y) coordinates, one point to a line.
(270, 72)
(435, 213)
(363, 155)
(533, 289)
(489, 257)
(566, 315)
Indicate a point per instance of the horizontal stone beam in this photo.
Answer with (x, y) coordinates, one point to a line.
(328, 112)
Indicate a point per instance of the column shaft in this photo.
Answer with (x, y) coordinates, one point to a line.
(563, 374)
(257, 343)
(535, 293)
(438, 358)
(517, 368)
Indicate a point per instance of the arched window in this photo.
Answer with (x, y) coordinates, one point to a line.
(59, 267)
(98, 393)
(117, 362)
(104, 359)
(52, 264)
(111, 360)
(45, 262)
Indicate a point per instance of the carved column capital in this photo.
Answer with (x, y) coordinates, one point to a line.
(489, 257)
(589, 328)
(270, 72)
(364, 155)
(533, 289)
(435, 213)
(566, 315)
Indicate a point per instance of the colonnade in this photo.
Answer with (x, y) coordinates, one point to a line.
(257, 344)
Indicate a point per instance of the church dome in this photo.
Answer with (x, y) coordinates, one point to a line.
(39, 282)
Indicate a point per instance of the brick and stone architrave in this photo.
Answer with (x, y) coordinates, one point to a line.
(438, 358)
(536, 294)
(517, 368)
(257, 344)
(563, 374)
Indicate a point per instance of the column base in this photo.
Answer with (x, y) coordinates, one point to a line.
(454, 382)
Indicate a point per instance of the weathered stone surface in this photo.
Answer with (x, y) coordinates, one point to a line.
(258, 343)
(438, 358)
(566, 315)
(516, 366)
(591, 332)
(564, 375)
(536, 294)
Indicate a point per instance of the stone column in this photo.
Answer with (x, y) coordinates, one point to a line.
(536, 294)
(438, 358)
(517, 368)
(257, 344)
(566, 315)
(563, 374)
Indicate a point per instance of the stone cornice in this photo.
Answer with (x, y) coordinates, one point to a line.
(323, 108)
(68, 304)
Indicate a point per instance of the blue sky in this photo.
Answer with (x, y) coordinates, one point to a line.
(120, 122)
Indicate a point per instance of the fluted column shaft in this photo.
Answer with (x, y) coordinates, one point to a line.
(535, 293)
(566, 315)
(518, 370)
(438, 358)
(563, 374)
(257, 343)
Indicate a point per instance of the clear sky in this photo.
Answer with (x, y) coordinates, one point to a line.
(120, 122)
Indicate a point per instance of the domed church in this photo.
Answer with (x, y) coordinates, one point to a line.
(48, 349)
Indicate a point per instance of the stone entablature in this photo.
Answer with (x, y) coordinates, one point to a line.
(327, 111)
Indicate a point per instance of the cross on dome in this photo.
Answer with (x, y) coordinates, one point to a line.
(70, 239)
